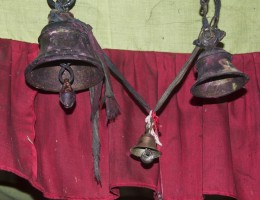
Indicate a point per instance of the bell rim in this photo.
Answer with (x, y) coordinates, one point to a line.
(43, 58)
(203, 79)
(157, 153)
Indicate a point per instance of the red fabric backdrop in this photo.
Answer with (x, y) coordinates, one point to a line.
(209, 147)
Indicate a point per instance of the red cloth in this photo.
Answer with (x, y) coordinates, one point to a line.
(209, 147)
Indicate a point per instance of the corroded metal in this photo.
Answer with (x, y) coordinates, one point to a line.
(146, 149)
(217, 76)
(67, 94)
(64, 40)
(70, 60)
(209, 38)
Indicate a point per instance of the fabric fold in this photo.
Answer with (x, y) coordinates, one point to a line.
(210, 147)
(18, 153)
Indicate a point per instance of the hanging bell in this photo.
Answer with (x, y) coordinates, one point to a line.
(65, 54)
(146, 149)
(217, 76)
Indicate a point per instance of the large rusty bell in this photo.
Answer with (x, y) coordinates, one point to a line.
(217, 76)
(146, 149)
(67, 61)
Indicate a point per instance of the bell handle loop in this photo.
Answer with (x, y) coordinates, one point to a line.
(64, 5)
(62, 70)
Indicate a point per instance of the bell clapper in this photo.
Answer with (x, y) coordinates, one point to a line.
(67, 94)
(147, 156)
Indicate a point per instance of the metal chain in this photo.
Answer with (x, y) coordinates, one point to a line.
(204, 10)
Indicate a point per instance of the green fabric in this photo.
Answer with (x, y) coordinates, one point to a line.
(13, 187)
(154, 25)
(9, 193)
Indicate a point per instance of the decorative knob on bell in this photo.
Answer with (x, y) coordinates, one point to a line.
(217, 76)
(146, 149)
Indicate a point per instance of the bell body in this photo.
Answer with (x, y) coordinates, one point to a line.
(217, 76)
(64, 42)
(146, 149)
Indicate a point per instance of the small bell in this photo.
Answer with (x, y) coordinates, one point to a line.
(146, 149)
(217, 76)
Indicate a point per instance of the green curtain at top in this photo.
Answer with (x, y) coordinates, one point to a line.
(146, 25)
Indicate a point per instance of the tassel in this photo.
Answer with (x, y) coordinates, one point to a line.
(112, 107)
(97, 90)
(95, 136)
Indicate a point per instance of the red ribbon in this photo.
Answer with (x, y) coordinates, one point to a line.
(155, 121)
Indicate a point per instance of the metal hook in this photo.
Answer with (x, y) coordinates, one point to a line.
(65, 5)
(66, 67)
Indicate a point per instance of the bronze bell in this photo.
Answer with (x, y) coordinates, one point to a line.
(217, 76)
(146, 149)
(67, 61)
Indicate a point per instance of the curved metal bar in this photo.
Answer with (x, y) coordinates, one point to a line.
(126, 84)
(177, 80)
(65, 5)
(168, 91)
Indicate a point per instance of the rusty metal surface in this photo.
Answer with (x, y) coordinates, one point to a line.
(64, 42)
(217, 76)
(146, 149)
